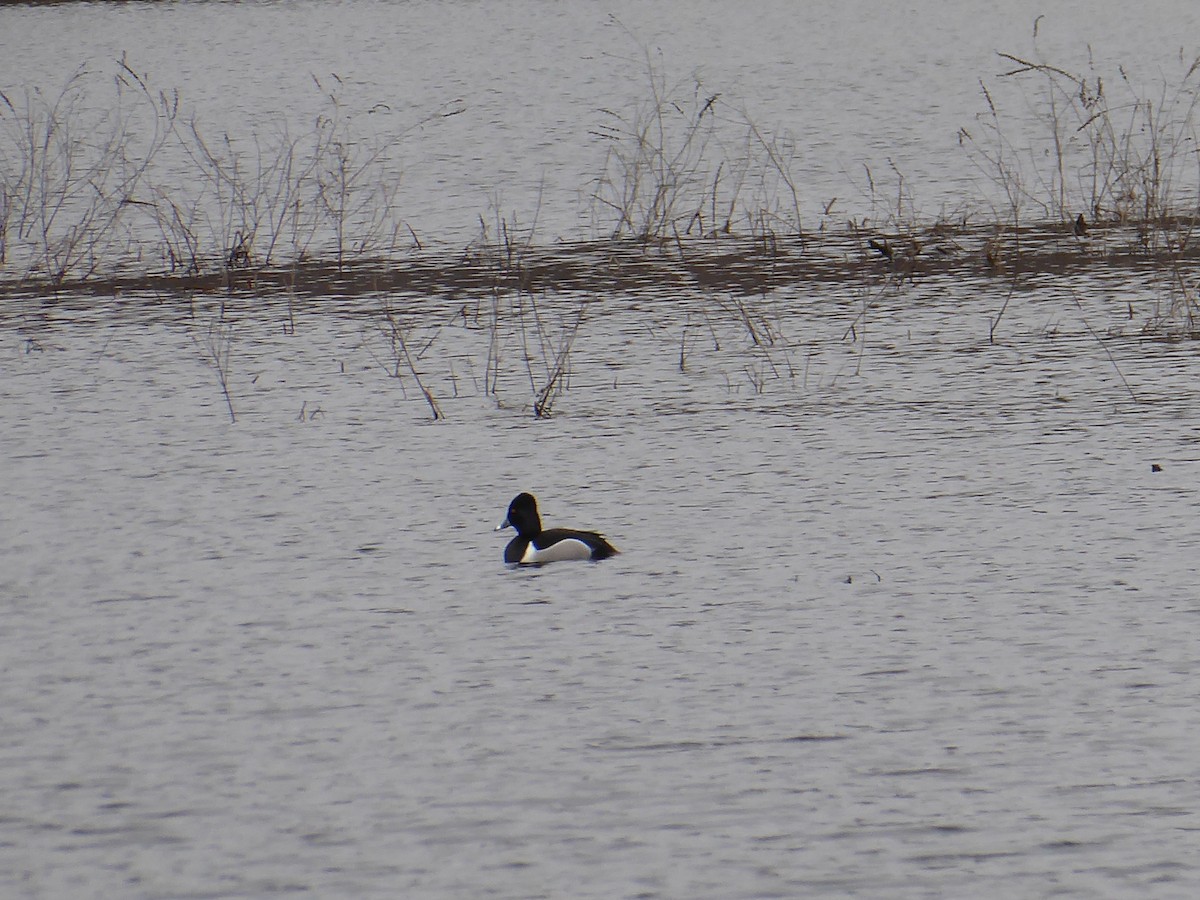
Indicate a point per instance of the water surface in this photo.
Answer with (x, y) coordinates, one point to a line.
(871, 102)
(904, 607)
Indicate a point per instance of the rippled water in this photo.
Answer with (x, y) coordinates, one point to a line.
(901, 611)
(853, 89)
(918, 620)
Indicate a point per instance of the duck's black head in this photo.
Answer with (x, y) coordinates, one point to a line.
(523, 516)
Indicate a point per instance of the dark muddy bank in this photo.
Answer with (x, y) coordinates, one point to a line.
(727, 263)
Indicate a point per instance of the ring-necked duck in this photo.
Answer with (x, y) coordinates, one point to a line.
(532, 546)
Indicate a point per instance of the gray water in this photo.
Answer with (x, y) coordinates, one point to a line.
(871, 100)
(901, 611)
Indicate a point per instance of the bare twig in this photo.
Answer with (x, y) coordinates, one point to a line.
(1107, 352)
(400, 354)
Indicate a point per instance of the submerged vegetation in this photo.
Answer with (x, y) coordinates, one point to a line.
(684, 164)
(129, 187)
(1116, 163)
(133, 195)
(132, 187)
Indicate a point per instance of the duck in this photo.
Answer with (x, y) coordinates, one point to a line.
(534, 546)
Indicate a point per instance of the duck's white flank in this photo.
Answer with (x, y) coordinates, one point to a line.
(570, 548)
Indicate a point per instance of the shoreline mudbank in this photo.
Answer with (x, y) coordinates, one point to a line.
(750, 265)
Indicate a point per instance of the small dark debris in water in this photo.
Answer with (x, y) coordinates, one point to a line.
(367, 548)
(878, 577)
(813, 738)
(883, 249)
(130, 598)
(1063, 845)
(1155, 467)
(307, 416)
